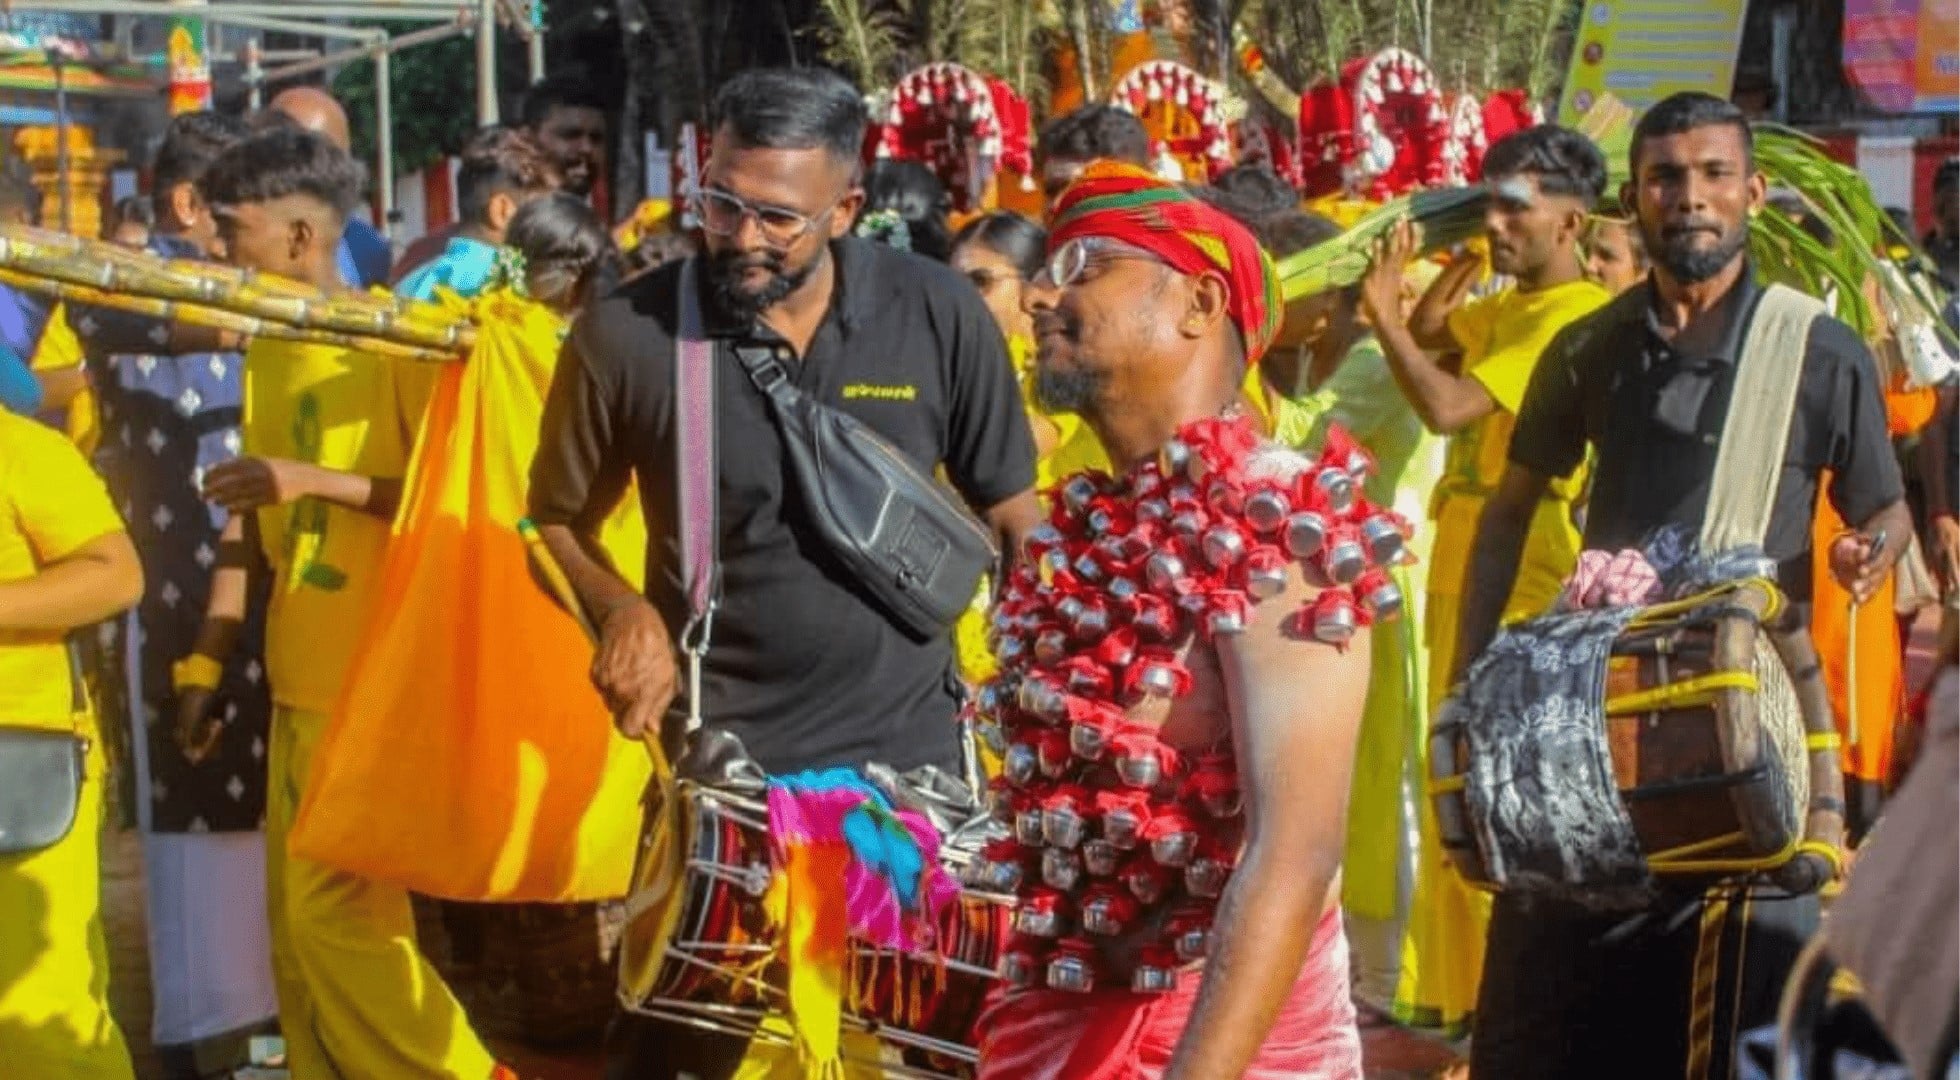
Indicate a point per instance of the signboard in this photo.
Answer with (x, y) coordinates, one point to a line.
(1904, 55)
(1936, 67)
(1644, 50)
(190, 74)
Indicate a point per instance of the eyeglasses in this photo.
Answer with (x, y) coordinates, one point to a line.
(1067, 263)
(722, 214)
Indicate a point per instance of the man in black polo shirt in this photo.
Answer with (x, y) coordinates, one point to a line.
(1647, 381)
(802, 665)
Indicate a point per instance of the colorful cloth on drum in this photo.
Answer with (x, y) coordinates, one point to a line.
(1540, 783)
(896, 887)
(1118, 1035)
(1130, 204)
(851, 865)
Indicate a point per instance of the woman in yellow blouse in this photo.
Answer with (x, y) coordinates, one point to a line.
(65, 562)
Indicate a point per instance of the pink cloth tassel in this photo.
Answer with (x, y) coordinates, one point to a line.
(807, 813)
(1118, 1035)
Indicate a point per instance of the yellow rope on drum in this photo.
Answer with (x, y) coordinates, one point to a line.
(1699, 690)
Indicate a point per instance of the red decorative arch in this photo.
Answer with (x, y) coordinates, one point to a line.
(1379, 132)
(1200, 137)
(1463, 154)
(962, 125)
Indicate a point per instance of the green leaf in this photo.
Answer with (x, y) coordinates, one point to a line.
(1860, 233)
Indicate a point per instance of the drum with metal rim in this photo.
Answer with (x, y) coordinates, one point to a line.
(717, 968)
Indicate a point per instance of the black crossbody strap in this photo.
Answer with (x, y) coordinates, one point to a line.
(695, 479)
(767, 373)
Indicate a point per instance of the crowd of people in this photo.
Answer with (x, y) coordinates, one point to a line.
(193, 526)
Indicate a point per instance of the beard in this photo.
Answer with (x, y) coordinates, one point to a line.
(725, 270)
(1675, 250)
(1068, 389)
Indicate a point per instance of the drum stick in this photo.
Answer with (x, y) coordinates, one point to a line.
(1851, 651)
(554, 577)
(561, 588)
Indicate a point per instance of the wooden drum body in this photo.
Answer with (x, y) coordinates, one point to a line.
(1721, 745)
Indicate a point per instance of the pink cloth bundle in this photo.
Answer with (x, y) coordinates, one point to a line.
(1610, 579)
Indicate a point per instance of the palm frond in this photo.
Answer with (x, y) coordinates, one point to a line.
(1860, 233)
(1008, 39)
(864, 39)
(1446, 217)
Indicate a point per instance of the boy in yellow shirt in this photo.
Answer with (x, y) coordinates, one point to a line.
(1545, 182)
(327, 435)
(65, 562)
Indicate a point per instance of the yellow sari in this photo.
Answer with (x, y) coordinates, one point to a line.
(1502, 337)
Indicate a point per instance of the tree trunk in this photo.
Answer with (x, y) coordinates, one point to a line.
(1084, 39)
(1819, 92)
(629, 166)
(1427, 9)
(1541, 75)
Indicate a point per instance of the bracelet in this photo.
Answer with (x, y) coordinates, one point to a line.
(196, 671)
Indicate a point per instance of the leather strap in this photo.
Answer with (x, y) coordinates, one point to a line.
(696, 471)
(1757, 429)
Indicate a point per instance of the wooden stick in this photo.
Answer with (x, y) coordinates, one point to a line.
(554, 576)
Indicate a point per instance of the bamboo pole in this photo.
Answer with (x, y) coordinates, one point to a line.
(214, 317)
(107, 275)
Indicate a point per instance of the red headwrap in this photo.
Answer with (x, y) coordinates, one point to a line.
(1127, 203)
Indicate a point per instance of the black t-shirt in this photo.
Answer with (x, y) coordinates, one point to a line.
(1654, 414)
(803, 665)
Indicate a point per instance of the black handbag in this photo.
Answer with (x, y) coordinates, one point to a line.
(41, 776)
(917, 551)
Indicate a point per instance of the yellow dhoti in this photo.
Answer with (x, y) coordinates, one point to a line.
(1443, 954)
(356, 999)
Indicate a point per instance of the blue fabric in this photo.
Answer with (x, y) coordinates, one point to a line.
(879, 841)
(363, 256)
(885, 846)
(20, 391)
(1757, 1061)
(22, 319)
(465, 268)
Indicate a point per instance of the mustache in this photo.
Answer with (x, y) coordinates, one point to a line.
(1055, 322)
(1692, 225)
(739, 262)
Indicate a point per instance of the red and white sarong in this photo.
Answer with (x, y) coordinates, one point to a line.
(1119, 1035)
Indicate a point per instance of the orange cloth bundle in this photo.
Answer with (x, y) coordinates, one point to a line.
(469, 756)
